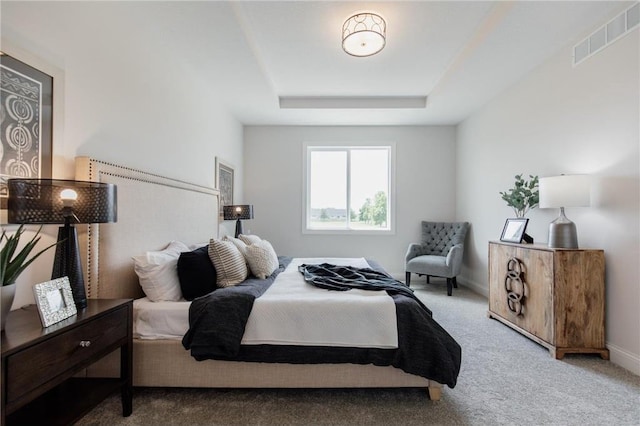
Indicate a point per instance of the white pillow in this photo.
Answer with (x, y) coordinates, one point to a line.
(262, 259)
(158, 272)
(195, 246)
(172, 251)
(159, 282)
(230, 264)
(249, 239)
(240, 245)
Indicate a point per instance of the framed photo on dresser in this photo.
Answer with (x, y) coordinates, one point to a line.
(514, 230)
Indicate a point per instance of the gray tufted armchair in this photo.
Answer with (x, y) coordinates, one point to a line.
(440, 254)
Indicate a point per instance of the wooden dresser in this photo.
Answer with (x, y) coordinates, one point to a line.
(556, 297)
(40, 366)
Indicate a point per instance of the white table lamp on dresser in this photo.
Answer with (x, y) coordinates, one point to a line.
(564, 191)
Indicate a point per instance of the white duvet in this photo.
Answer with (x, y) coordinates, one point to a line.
(293, 312)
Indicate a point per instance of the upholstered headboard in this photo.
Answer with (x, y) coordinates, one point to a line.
(152, 211)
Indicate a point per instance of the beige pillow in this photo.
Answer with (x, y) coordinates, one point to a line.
(249, 239)
(230, 264)
(262, 259)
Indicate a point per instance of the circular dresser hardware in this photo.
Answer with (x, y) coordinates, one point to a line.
(515, 285)
(85, 343)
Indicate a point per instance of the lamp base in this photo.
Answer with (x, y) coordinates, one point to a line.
(238, 227)
(562, 232)
(67, 264)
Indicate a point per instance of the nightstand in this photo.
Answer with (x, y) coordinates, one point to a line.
(42, 368)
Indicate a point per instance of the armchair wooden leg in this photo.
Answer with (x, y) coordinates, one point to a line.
(428, 279)
(407, 279)
(455, 282)
(449, 286)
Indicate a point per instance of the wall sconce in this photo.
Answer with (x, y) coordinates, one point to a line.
(564, 191)
(51, 201)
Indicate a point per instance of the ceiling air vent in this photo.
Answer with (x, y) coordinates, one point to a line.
(607, 34)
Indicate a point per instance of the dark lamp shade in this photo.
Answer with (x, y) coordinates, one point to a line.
(238, 211)
(39, 201)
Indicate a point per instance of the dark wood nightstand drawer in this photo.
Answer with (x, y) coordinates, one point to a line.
(43, 364)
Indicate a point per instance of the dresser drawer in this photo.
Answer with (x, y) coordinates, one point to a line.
(533, 270)
(49, 362)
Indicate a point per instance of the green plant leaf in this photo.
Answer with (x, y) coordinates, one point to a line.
(11, 264)
(524, 195)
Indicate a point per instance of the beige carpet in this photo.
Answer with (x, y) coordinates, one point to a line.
(505, 380)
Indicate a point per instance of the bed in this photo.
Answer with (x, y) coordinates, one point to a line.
(146, 204)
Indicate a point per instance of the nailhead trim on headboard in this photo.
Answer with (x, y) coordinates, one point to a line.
(90, 169)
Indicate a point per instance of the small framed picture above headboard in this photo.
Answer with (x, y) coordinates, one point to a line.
(224, 182)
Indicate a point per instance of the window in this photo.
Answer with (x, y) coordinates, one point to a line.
(348, 189)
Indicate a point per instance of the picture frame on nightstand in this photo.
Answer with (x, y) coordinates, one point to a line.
(55, 301)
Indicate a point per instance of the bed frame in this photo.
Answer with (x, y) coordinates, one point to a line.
(153, 210)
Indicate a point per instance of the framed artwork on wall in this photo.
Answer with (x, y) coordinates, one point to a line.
(26, 128)
(224, 183)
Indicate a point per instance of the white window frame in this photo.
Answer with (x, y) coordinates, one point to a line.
(308, 147)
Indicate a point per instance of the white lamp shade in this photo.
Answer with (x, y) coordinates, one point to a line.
(565, 191)
(364, 34)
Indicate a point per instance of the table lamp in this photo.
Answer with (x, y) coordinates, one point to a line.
(51, 201)
(564, 191)
(237, 212)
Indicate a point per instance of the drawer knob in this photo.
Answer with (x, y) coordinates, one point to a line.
(85, 343)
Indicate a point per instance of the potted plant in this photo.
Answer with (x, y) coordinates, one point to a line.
(12, 263)
(524, 196)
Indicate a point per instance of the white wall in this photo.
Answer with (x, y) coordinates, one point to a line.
(130, 93)
(567, 120)
(134, 86)
(425, 184)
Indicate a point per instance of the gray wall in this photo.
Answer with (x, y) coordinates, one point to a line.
(425, 188)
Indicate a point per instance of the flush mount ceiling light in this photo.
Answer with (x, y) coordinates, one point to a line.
(364, 34)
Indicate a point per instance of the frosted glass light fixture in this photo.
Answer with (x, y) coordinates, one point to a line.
(364, 34)
(564, 191)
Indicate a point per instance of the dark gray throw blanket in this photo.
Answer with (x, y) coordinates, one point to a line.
(343, 278)
(217, 323)
(218, 319)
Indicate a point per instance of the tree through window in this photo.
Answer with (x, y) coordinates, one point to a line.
(348, 188)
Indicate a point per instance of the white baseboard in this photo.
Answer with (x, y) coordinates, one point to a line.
(462, 281)
(475, 287)
(624, 359)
